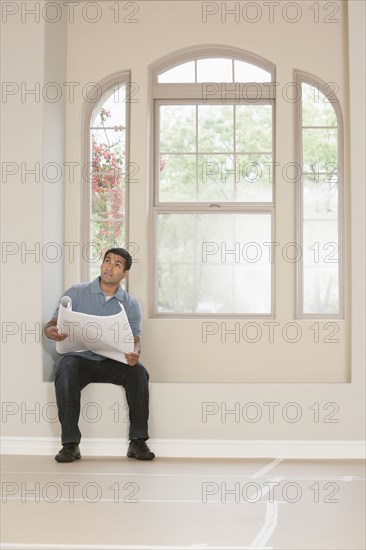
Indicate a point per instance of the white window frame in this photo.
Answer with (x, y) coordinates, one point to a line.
(310, 79)
(182, 93)
(102, 88)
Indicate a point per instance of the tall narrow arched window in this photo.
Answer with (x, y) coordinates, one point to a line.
(213, 184)
(105, 200)
(320, 199)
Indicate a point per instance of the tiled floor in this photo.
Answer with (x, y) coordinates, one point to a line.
(108, 503)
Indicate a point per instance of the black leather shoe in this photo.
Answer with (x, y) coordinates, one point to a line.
(138, 449)
(68, 453)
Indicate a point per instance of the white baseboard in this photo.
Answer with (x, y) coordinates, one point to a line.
(195, 448)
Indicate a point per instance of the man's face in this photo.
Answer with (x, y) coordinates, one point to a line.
(112, 270)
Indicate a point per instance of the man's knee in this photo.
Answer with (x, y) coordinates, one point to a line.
(67, 368)
(140, 371)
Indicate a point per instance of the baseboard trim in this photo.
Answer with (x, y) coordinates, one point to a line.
(195, 448)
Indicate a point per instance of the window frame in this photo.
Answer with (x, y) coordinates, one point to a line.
(183, 93)
(102, 88)
(205, 52)
(300, 78)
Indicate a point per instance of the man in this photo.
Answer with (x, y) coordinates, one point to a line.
(77, 369)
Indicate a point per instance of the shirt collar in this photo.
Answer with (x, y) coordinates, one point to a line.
(95, 288)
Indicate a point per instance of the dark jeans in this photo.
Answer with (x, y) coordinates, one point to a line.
(75, 372)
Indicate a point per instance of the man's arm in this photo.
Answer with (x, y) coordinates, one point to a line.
(50, 330)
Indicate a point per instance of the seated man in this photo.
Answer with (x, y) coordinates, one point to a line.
(77, 369)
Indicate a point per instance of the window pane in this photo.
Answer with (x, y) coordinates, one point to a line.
(216, 178)
(111, 112)
(254, 174)
(257, 279)
(214, 70)
(321, 257)
(316, 108)
(169, 299)
(107, 179)
(320, 197)
(178, 178)
(182, 73)
(172, 119)
(104, 235)
(319, 150)
(108, 205)
(321, 290)
(107, 233)
(320, 248)
(253, 128)
(219, 263)
(215, 128)
(176, 233)
(246, 72)
(108, 147)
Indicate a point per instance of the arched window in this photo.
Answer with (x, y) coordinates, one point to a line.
(213, 184)
(105, 196)
(214, 69)
(320, 199)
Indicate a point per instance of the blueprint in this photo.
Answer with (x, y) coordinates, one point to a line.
(109, 336)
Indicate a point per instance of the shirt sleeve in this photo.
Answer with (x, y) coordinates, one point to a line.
(72, 292)
(134, 316)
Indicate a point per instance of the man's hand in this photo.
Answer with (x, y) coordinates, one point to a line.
(132, 359)
(53, 334)
(51, 331)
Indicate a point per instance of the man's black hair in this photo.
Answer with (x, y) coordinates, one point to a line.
(121, 252)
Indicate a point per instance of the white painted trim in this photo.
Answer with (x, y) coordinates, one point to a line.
(50, 546)
(196, 448)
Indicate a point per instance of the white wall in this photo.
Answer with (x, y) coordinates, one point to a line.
(304, 373)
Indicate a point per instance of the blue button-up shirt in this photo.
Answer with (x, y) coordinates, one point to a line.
(89, 298)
